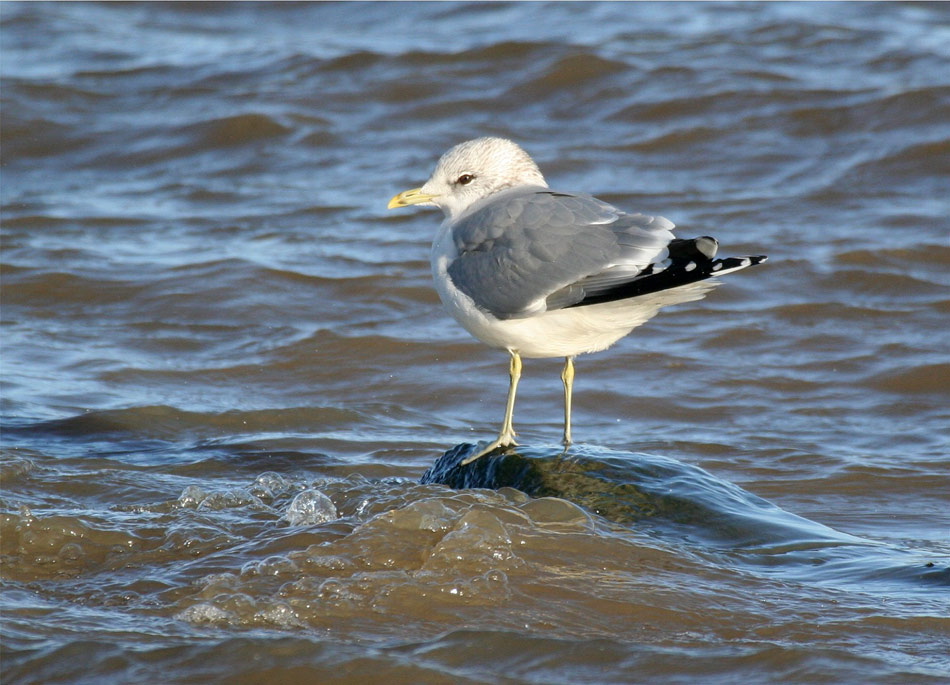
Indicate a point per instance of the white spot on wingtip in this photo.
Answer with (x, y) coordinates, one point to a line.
(717, 267)
(691, 266)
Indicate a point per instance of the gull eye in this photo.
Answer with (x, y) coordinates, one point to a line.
(465, 179)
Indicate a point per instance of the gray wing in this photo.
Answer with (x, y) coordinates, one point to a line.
(529, 251)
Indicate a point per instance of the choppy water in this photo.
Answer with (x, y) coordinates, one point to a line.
(224, 368)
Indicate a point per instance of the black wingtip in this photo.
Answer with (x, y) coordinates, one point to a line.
(730, 264)
(687, 267)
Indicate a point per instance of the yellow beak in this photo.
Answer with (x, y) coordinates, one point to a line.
(410, 197)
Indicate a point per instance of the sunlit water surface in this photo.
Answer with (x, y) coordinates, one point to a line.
(224, 368)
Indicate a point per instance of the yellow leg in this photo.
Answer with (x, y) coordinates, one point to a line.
(507, 435)
(514, 375)
(567, 377)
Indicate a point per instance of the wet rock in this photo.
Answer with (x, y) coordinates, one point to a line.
(639, 488)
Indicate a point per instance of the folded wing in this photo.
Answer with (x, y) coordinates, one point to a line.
(531, 250)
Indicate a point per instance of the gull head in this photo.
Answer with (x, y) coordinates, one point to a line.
(472, 171)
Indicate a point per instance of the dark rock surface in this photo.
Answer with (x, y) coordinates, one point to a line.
(669, 499)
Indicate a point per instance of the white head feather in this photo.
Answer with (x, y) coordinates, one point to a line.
(476, 169)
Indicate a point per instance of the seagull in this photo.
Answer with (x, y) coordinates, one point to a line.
(544, 273)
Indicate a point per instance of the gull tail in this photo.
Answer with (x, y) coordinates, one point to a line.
(690, 260)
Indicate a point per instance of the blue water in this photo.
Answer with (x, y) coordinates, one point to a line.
(210, 323)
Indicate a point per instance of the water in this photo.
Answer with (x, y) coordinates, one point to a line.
(224, 368)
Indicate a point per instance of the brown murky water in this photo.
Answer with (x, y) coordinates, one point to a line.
(224, 368)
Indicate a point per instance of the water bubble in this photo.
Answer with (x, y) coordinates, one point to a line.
(71, 551)
(204, 613)
(230, 499)
(309, 508)
(279, 614)
(270, 485)
(191, 497)
(554, 510)
(274, 565)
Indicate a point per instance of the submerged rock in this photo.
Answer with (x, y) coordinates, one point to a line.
(664, 498)
(627, 487)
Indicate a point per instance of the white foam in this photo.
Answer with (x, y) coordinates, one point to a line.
(204, 613)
